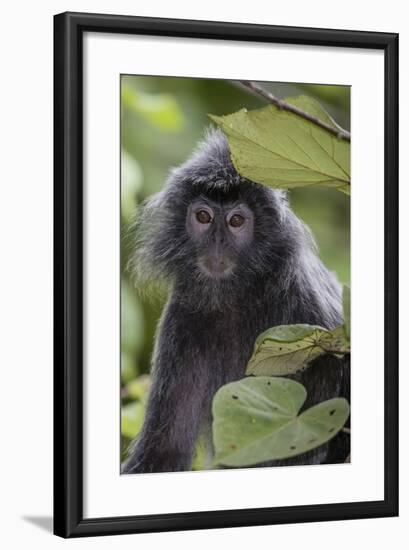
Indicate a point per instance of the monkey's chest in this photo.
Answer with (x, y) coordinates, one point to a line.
(226, 344)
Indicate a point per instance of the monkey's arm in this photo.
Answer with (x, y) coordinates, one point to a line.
(175, 405)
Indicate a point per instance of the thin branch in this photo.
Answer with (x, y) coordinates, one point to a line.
(271, 98)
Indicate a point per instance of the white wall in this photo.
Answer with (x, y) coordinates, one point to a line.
(26, 271)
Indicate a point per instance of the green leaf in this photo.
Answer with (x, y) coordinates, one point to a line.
(256, 420)
(274, 147)
(285, 349)
(312, 107)
(346, 300)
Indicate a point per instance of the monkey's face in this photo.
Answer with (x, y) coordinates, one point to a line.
(221, 231)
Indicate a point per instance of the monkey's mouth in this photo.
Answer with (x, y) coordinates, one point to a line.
(217, 267)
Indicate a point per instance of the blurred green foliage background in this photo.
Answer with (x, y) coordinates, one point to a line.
(162, 118)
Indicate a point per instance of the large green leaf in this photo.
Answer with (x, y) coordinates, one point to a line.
(285, 349)
(314, 108)
(256, 420)
(280, 149)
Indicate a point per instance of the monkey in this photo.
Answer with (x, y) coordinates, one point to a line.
(237, 261)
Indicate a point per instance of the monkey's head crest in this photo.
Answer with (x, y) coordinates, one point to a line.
(211, 226)
(209, 165)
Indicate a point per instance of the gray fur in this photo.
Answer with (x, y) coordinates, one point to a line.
(208, 327)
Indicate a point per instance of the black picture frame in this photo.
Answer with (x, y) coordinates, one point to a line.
(68, 273)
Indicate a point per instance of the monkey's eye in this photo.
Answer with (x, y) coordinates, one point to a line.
(236, 220)
(203, 216)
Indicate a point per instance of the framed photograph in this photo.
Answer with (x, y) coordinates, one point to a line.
(226, 294)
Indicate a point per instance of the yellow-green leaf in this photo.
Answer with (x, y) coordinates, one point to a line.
(257, 419)
(285, 349)
(278, 148)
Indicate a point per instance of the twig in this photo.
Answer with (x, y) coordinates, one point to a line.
(271, 98)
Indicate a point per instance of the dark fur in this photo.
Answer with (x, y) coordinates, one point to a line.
(208, 327)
